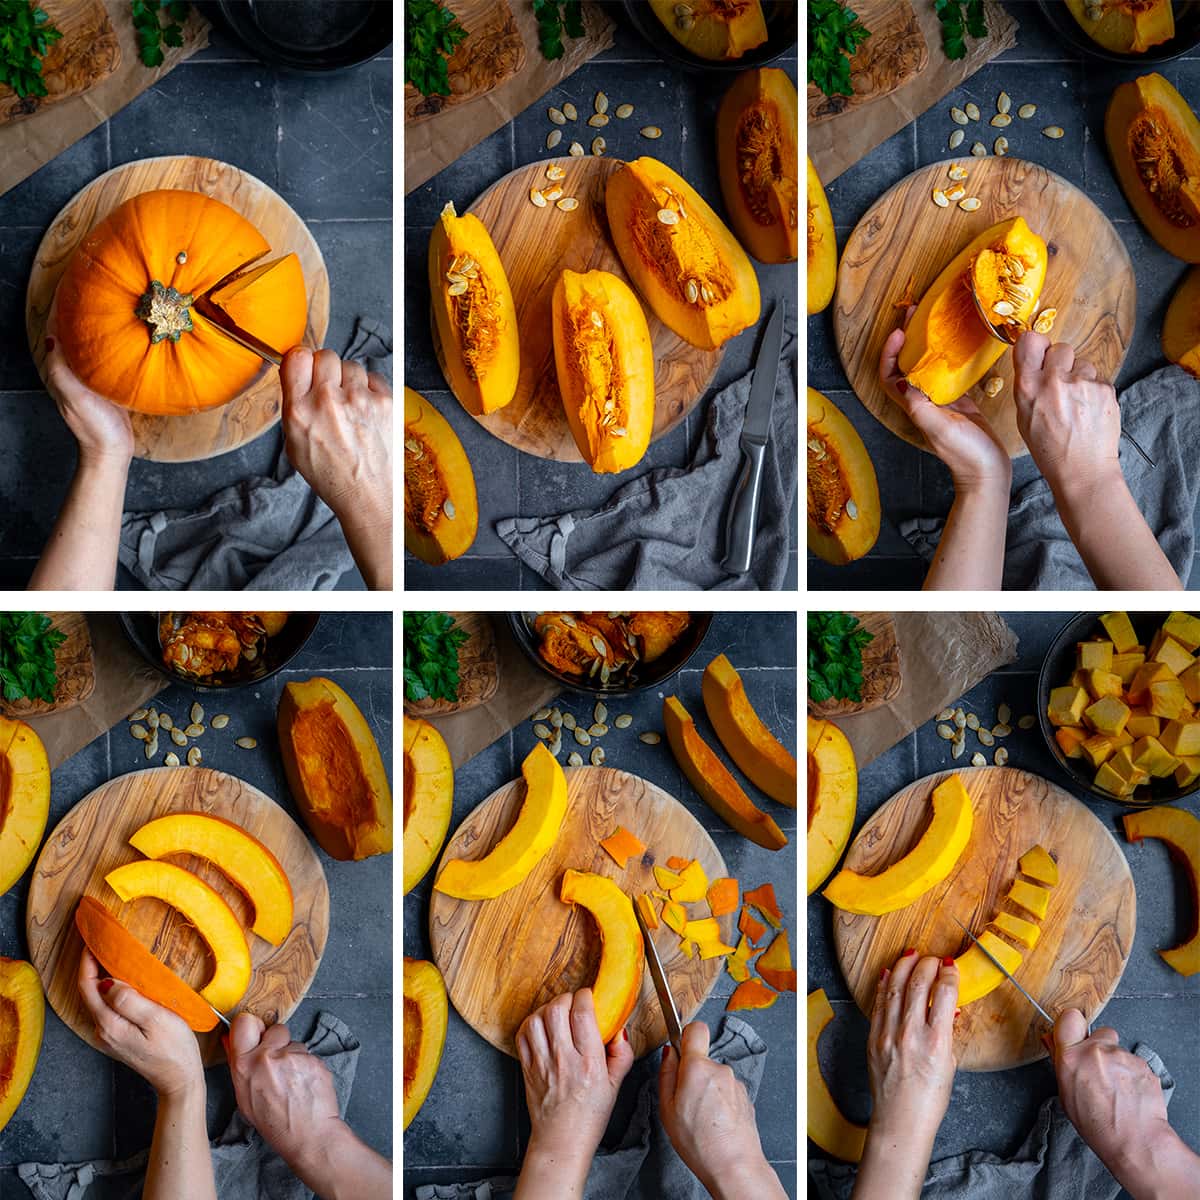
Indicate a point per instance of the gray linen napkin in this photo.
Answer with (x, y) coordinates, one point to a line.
(666, 529)
(246, 1168)
(643, 1165)
(1162, 413)
(265, 532)
(1052, 1163)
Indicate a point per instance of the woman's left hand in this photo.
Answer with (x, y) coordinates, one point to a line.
(143, 1035)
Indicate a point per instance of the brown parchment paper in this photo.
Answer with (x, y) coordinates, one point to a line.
(839, 142)
(124, 681)
(29, 144)
(522, 690)
(436, 142)
(942, 655)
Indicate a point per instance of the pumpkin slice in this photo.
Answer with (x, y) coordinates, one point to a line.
(686, 948)
(751, 994)
(832, 798)
(251, 299)
(712, 780)
(667, 880)
(1017, 928)
(622, 951)
(693, 883)
(977, 974)
(722, 896)
(1126, 26)
(827, 1126)
(822, 245)
(1181, 326)
(714, 29)
(759, 754)
(126, 959)
(24, 798)
(428, 798)
(243, 859)
(425, 1015)
(622, 845)
(775, 964)
(522, 847)
(923, 867)
(843, 493)
(674, 916)
(22, 1022)
(1031, 897)
(1180, 830)
(203, 908)
(645, 906)
(763, 899)
(1038, 865)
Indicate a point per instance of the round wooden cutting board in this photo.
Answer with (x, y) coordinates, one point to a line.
(91, 840)
(504, 957)
(904, 241)
(216, 430)
(536, 245)
(1086, 937)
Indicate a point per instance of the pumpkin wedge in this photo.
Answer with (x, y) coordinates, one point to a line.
(22, 1021)
(827, 1126)
(714, 29)
(977, 974)
(425, 1015)
(843, 494)
(832, 798)
(622, 951)
(1181, 326)
(24, 798)
(522, 847)
(428, 798)
(822, 245)
(1126, 26)
(923, 867)
(755, 749)
(1180, 830)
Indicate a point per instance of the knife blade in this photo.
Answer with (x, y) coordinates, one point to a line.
(218, 317)
(741, 520)
(1007, 974)
(221, 1016)
(659, 978)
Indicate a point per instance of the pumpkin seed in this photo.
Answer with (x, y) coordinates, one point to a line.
(165, 721)
(152, 718)
(1002, 308)
(1027, 722)
(599, 145)
(151, 746)
(555, 743)
(651, 132)
(536, 198)
(598, 730)
(597, 120)
(956, 139)
(583, 737)
(650, 738)
(993, 386)
(541, 714)
(574, 759)
(986, 738)
(567, 204)
(852, 510)
(449, 509)
(1003, 102)
(693, 291)
(623, 721)
(570, 111)
(178, 737)
(553, 138)
(979, 150)
(945, 714)
(597, 756)
(1026, 111)
(623, 111)
(1045, 320)
(556, 719)
(246, 743)
(1094, 12)
(1003, 729)
(619, 431)
(552, 195)
(601, 102)
(139, 715)
(1001, 756)
(568, 720)
(1003, 714)
(960, 718)
(193, 731)
(197, 713)
(599, 645)
(1000, 120)
(958, 116)
(972, 110)
(1001, 147)
(956, 193)
(958, 172)
(542, 731)
(939, 198)
(977, 760)
(972, 721)
(140, 732)
(557, 116)
(957, 750)
(604, 672)
(576, 150)
(457, 289)
(171, 760)
(970, 204)
(220, 721)
(945, 733)
(600, 712)
(554, 172)
(668, 216)
(1053, 131)
(706, 293)
(194, 757)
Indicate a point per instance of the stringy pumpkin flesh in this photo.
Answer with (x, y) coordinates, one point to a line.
(1165, 165)
(827, 490)
(425, 490)
(761, 167)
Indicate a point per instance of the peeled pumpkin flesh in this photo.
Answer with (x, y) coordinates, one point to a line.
(605, 366)
(827, 1125)
(759, 156)
(474, 313)
(24, 798)
(1127, 26)
(428, 798)
(843, 492)
(1154, 140)
(1181, 327)
(682, 259)
(425, 1015)
(822, 245)
(832, 798)
(22, 1021)
(441, 509)
(714, 29)
(948, 349)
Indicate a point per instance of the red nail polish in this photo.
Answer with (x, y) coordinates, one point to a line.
(104, 985)
(902, 386)
(883, 974)
(49, 344)
(956, 1012)
(625, 1034)
(947, 961)
(910, 950)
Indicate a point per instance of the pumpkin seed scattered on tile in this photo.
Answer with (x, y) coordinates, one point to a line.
(958, 749)
(1054, 131)
(945, 715)
(972, 721)
(553, 138)
(623, 111)
(194, 756)
(557, 116)
(179, 737)
(140, 732)
(570, 111)
(958, 116)
(977, 760)
(171, 760)
(540, 715)
(542, 731)
(1001, 756)
(972, 110)
(574, 759)
(1026, 111)
(1001, 729)
(985, 737)
(650, 738)
(597, 756)
(956, 139)
(165, 721)
(1027, 722)
(1003, 714)
(583, 737)
(193, 731)
(651, 132)
(623, 721)
(979, 150)
(246, 743)
(139, 715)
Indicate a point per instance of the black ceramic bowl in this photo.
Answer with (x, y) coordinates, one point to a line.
(141, 628)
(1187, 34)
(1056, 671)
(648, 675)
(310, 35)
(782, 31)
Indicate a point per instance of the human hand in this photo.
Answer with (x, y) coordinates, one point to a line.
(143, 1035)
(571, 1078)
(1070, 421)
(959, 434)
(709, 1118)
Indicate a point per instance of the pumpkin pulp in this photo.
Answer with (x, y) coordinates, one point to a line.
(339, 792)
(425, 490)
(413, 1024)
(1168, 164)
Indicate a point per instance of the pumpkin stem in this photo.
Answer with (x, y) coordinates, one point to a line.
(166, 312)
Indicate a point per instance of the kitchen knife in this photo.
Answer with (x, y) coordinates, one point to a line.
(221, 1017)
(741, 521)
(217, 316)
(659, 978)
(995, 962)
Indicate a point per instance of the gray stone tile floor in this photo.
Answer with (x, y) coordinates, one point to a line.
(1069, 92)
(323, 143)
(474, 1124)
(993, 1111)
(510, 483)
(82, 1105)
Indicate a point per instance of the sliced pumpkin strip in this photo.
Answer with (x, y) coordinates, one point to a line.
(703, 929)
(750, 925)
(674, 917)
(722, 896)
(751, 994)
(622, 846)
(775, 964)
(646, 907)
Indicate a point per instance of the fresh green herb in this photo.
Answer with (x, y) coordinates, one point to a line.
(552, 18)
(25, 36)
(431, 31)
(834, 34)
(956, 25)
(835, 646)
(27, 645)
(431, 644)
(152, 34)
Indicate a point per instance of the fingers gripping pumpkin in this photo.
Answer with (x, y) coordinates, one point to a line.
(124, 304)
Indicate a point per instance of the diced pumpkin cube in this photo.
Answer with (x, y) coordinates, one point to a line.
(1066, 705)
(1143, 724)
(1168, 699)
(1184, 628)
(1191, 682)
(1037, 864)
(1181, 738)
(1031, 897)
(622, 846)
(1124, 738)
(1108, 779)
(646, 907)
(667, 879)
(1107, 715)
(1098, 748)
(722, 896)
(1103, 683)
(1188, 771)
(1171, 654)
(1146, 674)
(1126, 665)
(1153, 757)
(1070, 740)
(674, 917)
(1122, 762)
(1094, 656)
(692, 885)
(1017, 928)
(1119, 628)
(750, 925)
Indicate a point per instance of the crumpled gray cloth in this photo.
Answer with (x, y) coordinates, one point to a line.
(1162, 414)
(246, 1168)
(1052, 1163)
(265, 532)
(666, 529)
(643, 1165)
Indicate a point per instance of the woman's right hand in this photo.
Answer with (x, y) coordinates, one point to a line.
(143, 1035)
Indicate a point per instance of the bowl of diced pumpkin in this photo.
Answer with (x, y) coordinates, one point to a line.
(1119, 704)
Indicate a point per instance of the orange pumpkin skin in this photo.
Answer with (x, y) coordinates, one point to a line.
(185, 242)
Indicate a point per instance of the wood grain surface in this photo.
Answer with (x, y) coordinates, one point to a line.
(1086, 937)
(491, 53)
(75, 669)
(502, 958)
(91, 840)
(536, 245)
(881, 669)
(904, 241)
(87, 52)
(478, 669)
(891, 56)
(217, 430)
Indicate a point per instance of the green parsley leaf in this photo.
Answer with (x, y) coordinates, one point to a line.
(431, 642)
(835, 646)
(431, 32)
(27, 667)
(834, 35)
(25, 36)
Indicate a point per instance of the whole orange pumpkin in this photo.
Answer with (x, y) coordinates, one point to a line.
(124, 304)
